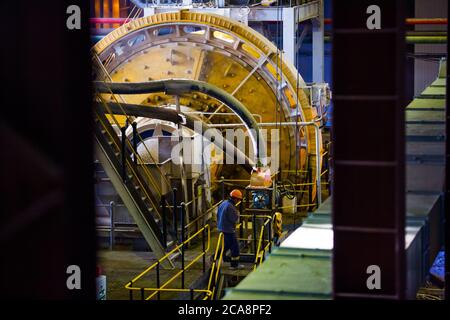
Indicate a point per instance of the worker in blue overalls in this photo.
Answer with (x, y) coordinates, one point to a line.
(227, 217)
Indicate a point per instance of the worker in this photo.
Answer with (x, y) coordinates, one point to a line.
(277, 228)
(227, 217)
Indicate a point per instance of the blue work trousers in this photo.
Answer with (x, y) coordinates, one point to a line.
(231, 243)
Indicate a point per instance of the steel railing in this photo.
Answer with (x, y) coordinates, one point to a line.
(130, 120)
(131, 167)
(264, 245)
(216, 267)
(156, 291)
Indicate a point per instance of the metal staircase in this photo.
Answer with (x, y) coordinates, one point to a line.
(132, 184)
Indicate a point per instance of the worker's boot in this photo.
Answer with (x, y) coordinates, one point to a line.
(235, 264)
(237, 267)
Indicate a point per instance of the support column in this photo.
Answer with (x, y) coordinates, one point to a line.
(318, 48)
(289, 32)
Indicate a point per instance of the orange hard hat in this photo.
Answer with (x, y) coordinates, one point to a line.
(236, 194)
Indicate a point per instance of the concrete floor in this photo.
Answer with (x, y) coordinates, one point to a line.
(122, 264)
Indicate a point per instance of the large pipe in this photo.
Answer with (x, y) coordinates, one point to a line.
(181, 86)
(414, 21)
(426, 40)
(109, 20)
(411, 21)
(173, 116)
(415, 39)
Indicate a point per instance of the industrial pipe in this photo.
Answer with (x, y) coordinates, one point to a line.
(109, 20)
(414, 21)
(411, 21)
(171, 115)
(414, 39)
(426, 39)
(180, 86)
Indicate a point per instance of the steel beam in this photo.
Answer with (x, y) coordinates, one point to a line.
(289, 28)
(255, 14)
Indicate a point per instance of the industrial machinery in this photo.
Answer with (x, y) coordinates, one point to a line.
(185, 85)
(229, 56)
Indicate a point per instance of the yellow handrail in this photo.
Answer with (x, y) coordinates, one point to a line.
(130, 286)
(217, 263)
(204, 214)
(259, 254)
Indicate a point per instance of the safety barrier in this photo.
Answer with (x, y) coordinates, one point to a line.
(300, 188)
(156, 291)
(264, 245)
(216, 267)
